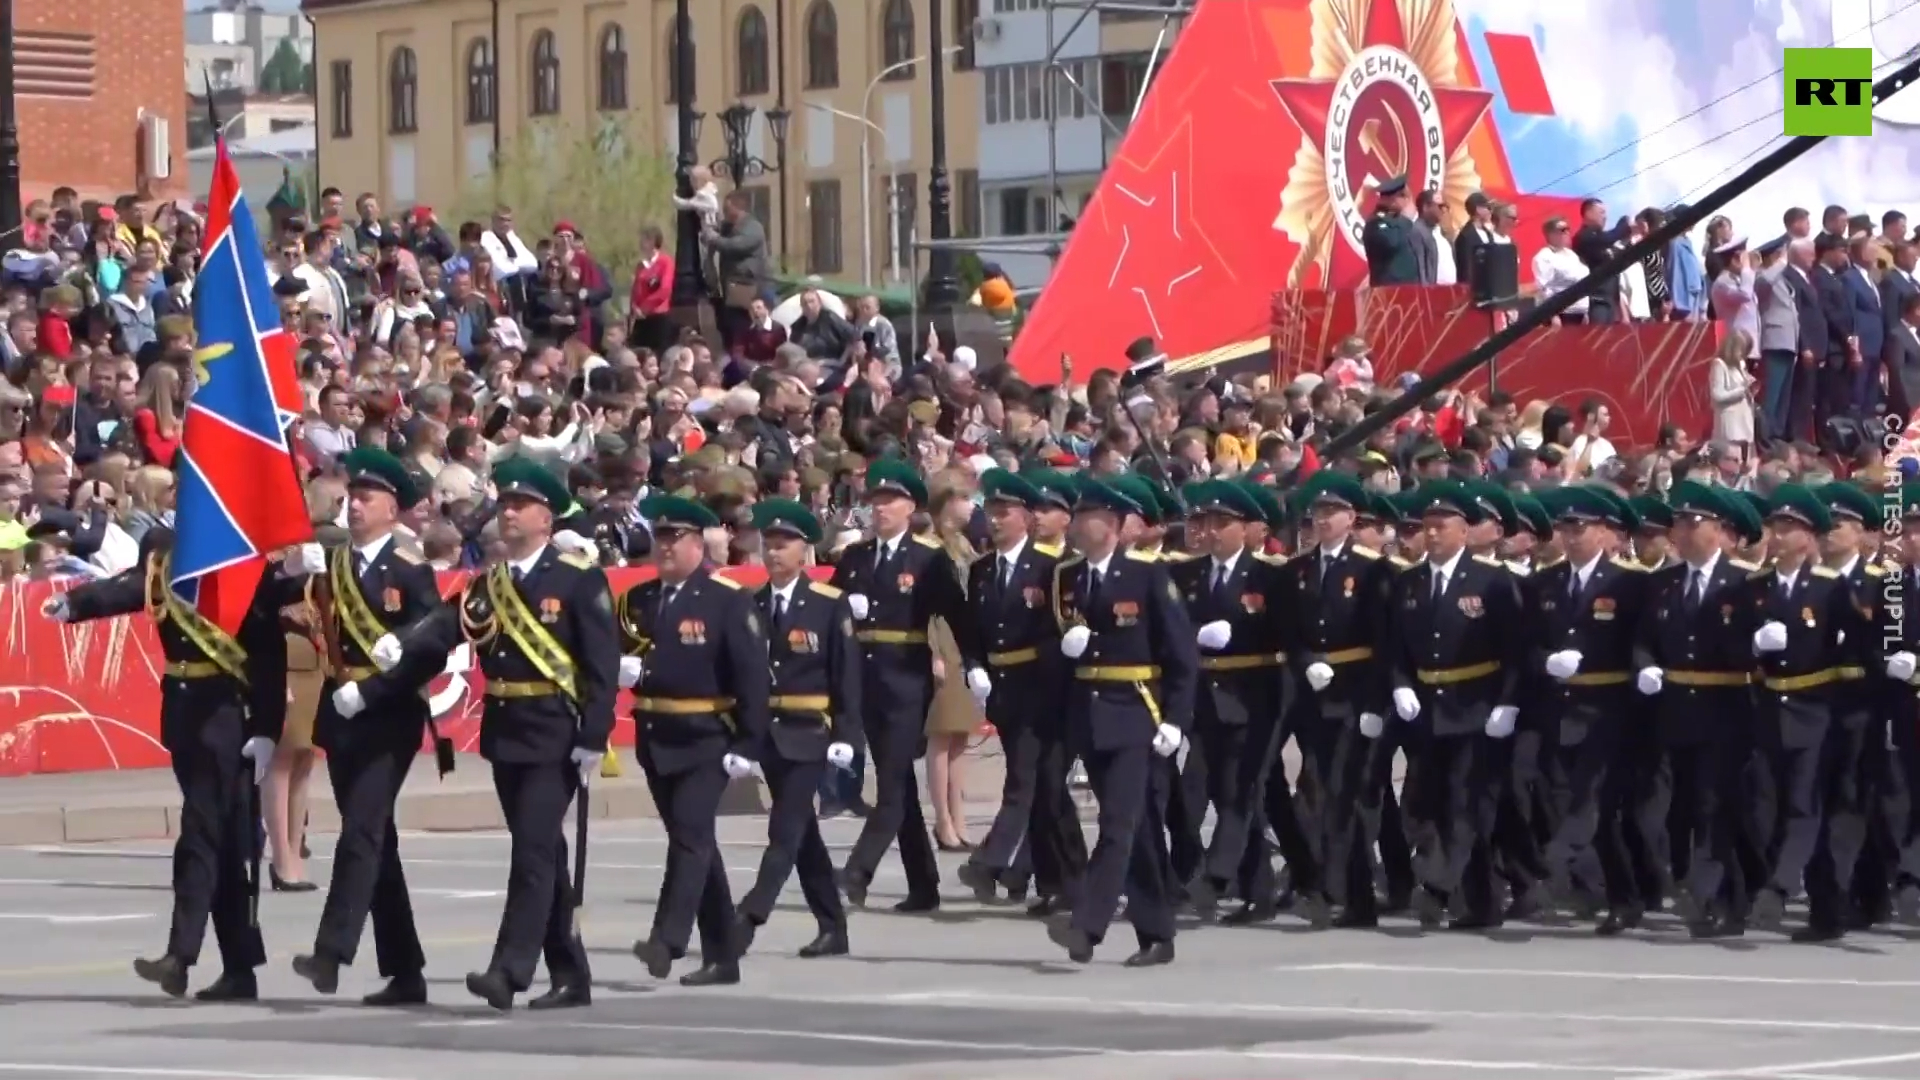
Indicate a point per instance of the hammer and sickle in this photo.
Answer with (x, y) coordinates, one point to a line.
(1395, 159)
(206, 355)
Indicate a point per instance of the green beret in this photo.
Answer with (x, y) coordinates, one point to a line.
(1450, 497)
(1099, 495)
(1750, 510)
(1272, 510)
(1335, 488)
(1533, 515)
(1846, 500)
(1056, 489)
(1407, 508)
(1588, 503)
(668, 512)
(1701, 500)
(1224, 497)
(893, 476)
(1652, 512)
(372, 467)
(1140, 491)
(787, 516)
(1000, 485)
(1172, 509)
(1496, 504)
(1627, 517)
(527, 479)
(1798, 502)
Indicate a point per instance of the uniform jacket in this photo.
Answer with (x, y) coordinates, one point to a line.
(1250, 601)
(1475, 623)
(1696, 649)
(813, 653)
(1388, 240)
(1602, 624)
(1824, 632)
(918, 584)
(1333, 616)
(1138, 619)
(1016, 617)
(707, 641)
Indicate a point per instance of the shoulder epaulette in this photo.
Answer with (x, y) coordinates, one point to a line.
(578, 562)
(1050, 550)
(1874, 570)
(1400, 563)
(927, 541)
(1547, 564)
(1761, 571)
(1365, 552)
(1737, 564)
(1628, 564)
(1520, 569)
(824, 589)
(1178, 556)
(1825, 572)
(408, 556)
(1488, 560)
(1270, 560)
(724, 582)
(1142, 556)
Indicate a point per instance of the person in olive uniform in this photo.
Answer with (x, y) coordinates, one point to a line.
(542, 623)
(814, 706)
(1388, 237)
(222, 707)
(696, 659)
(1126, 633)
(1010, 593)
(1457, 651)
(1810, 638)
(370, 724)
(896, 583)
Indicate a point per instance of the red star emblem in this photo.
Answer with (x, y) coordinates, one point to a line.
(1372, 124)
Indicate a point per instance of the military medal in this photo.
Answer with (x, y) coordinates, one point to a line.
(550, 610)
(391, 599)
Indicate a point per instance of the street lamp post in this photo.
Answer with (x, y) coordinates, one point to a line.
(9, 134)
(736, 124)
(942, 289)
(689, 290)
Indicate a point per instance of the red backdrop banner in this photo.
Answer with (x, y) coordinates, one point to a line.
(87, 697)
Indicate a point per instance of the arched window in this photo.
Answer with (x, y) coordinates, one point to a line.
(545, 99)
(896, 39)
(823, 46)
(480, 72)
(673, 66)
(752, 46)
(613, 68)
(403, 92)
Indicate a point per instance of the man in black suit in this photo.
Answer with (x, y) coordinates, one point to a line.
(1476, 234)
(1897, 286)
(1839, 351)
(1869, 324)
(1901, 357)
(1594, 243)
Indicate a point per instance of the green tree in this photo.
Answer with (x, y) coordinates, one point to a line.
(607, 178)
(284, 72)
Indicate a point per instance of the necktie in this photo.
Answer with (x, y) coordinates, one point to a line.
(779, 609)
(519, 574)
(881, 553)
(360, 565)
(1439, 584)
(1696, 590)
(1093, 589)
(1326, 566)
(1006, 572)
(1573, 588)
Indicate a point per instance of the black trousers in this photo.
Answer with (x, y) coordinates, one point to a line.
(1053, 852)
(1235, 795)
(1129, 854)
(1798, 789)
(1020, 748)
(1878, 874)
(538, 918)
(217, 823)
(367, 875)
(1707, 790)
(694, 886)
(1263, 772)
(794, 845)
(1843, 819)
(1591, 794)
(1518, 820)
(895, 741)
(1452, 788)
(1186, 810)
(1377, 827)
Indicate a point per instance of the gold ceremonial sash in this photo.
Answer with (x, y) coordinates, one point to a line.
(350, 605)
(164, 604)
(535, 642)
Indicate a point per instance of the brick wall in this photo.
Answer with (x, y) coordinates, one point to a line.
(139, 62)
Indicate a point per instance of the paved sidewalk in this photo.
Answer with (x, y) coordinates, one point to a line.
(144, 804)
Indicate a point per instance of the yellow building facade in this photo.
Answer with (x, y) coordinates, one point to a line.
(415, 95)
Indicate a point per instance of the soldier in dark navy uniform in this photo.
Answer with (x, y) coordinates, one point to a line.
(1897, 805)
(222, 707)
(1458, 648)
(1126, 633)
(370, 724)
(549, 650)
(698, 665)
(1388, 237)
(814, 707)
(896, 583)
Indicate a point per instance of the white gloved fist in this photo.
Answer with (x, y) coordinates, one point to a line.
(738, 768)
(1406, 703)
(840, 755)
(312, 559)
(1372, 724)
(574, 544)
(258, 750)
(980, 685)
(1770, 638)
(588, 762)
(1501, 721)
(1074, 642)
(57, 608)
(1900, 666)
(858, 604)
(387, 652)
(631, 668)
(1215, 635)
(1650, 681)
(460, 660)
(1166, 740)
(347, 700)
(1564, 664)
(1319, 675)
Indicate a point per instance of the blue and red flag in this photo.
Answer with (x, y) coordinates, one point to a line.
(238, 497)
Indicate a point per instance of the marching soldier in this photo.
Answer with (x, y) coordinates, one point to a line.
(896, 583)
(815, 722)
(698, 665)
(1388, 237)
(222, 706)
(1053, 511)
(1903, 701)
(549, 650)
(1125, 630)
(370, 724)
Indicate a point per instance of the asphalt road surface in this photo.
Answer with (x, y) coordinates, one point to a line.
(971, 994)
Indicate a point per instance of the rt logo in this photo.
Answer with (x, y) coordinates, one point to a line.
(1829, 91)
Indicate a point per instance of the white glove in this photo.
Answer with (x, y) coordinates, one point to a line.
(311, 560)
(858, 604)
(631, 668)
(387, 652)
(347, 700)
(460, 660)
(1770, 638)
(1900, 666)
(1501, 720)
(1166, 740)
(258, 750)
(738, 768)
(574, 544)
(840, 755)
(1406, 703)
(588, 762)
(56, 608)
(1650, 681)
(981, 685)
(1215, 634)
(1372, 724)
(1564, 664)
(1319, 675)
(1074, 642)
